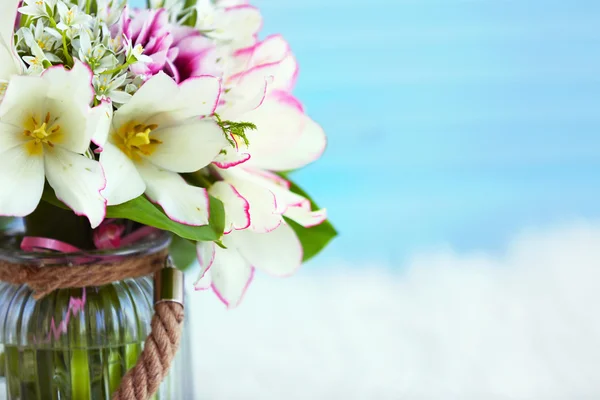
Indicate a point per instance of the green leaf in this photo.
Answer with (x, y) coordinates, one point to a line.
(143, 211)
(217, 216)
(313, 239)
(183, 252)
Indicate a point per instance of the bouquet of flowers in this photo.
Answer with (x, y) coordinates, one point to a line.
(175, 117)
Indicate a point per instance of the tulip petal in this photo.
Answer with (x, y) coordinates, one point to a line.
(30, 97)
(187, 147)
(278, 253)
(77, 181)
(23, 94)
(195, 98)
(74, 84)
(240, 24)
(231, 276)
(10, 136)
(101, 118)
(237, 215)
(8, 17)
(230, 157)
(286, 139)
(306, 217)
(123, 182)
(8, 64)
(271, 50)
(21, 180)
(206, 252)
(264, 213)
(201, 94)
(183, 203)
(143, 103)
(291, 204)
(8, 59)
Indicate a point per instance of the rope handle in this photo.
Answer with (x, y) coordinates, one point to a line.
(160, 348)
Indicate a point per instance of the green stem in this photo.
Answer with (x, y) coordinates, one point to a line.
(119, 68)
(80, 375)
(13, 374)
(68, 57)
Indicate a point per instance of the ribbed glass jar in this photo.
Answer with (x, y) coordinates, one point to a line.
(76, 343)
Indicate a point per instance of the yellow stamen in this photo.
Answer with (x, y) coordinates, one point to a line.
(46, 133)
(135, 140)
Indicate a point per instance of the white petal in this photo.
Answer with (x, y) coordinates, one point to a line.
(156, 96)
(101, 118)
(202, 93)
(10, 136)
(286, 138)
(237, 215)
(8, 60)
(230, 157)
(77, 181)
(286, 75)
(231, 275)
(277, 253)
(240, 24)
(308, 148)
(70, 93)
(243, 97)
(119, 96)
(123, 182)
(271, 50)
(264, 213)
(183, 203)
(29, 96)
(76, 121)
(281, 75)
(8, 63)
(21, 180)
(74, 84)
(7, 19)
(306, 217)
(23, 95)
(189, 147)
(161, 101)
(284, 198)
(206, 252)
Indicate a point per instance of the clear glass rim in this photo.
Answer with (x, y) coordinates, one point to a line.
(10, 251)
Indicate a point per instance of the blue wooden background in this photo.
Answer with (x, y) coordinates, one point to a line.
(453, 122)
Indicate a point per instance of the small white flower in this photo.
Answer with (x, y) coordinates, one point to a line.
(136, 53)
(38, 62)
(40, 59)
(37, 8)
(45, 40)
(72, 19)
(108, 87)
(109, 11)
(95, 55)
(45, 128)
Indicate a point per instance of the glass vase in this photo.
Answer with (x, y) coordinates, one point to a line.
(76, 343)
